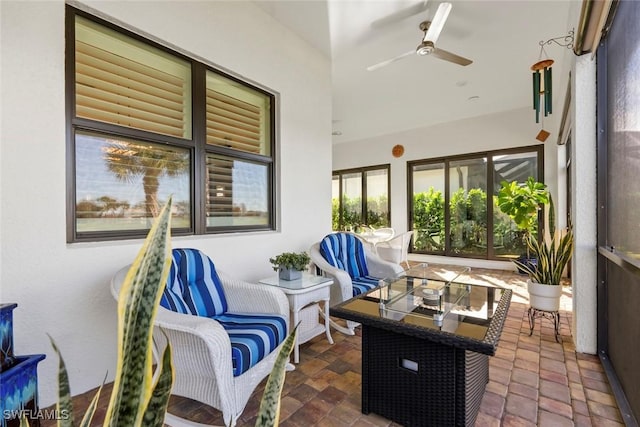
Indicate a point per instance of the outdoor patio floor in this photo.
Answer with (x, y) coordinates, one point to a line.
(534, 381)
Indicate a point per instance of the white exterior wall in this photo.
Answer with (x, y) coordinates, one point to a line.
(63, 289)
(584, 206)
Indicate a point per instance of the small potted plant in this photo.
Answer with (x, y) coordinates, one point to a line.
(290, 265)
(521, 202)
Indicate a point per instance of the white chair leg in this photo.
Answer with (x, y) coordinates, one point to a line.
(348, 330)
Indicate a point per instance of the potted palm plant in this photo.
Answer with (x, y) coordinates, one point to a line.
(290, 265)
(553, 253)
(521, 202)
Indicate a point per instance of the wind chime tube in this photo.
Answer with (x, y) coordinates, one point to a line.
(536, 94)
(533, 75)
(548, 87)
(545, 76)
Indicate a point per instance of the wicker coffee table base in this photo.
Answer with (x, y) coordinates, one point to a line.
(439, 385)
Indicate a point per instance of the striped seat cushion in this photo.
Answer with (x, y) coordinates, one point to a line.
(346, 252)
(193, 286)
(363, 284)
(253, 336)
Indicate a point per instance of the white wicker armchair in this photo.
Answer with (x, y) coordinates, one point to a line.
(201, 349)
(396, 250)
(342, 288)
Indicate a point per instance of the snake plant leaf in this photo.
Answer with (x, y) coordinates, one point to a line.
(552, 257)
(24, 422)
(91, 410)
(64, 405)
(552, 217)
(269, 412)
(137, 306)
(157, 407)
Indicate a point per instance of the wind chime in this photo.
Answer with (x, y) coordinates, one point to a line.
(542, 87)
(543, 84)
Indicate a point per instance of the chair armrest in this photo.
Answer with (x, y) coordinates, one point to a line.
(200, 344)
(245, 297)
(340, 277)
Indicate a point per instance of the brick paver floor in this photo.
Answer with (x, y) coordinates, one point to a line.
(534, 380)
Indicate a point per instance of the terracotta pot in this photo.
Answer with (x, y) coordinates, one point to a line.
(544, 297)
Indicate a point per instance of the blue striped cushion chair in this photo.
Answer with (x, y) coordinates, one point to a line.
(346, 252)
(193, 287)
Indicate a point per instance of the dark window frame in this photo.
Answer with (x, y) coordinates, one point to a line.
(446, 160)
(197, 145)
(362, 171)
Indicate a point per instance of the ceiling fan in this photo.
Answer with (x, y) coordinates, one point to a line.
(432, 30)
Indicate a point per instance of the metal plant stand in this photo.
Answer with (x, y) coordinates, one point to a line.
(535, 313)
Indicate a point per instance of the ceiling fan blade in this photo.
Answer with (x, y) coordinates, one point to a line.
(400, 14)
(451, 57)
(437, 23)
(389, 61)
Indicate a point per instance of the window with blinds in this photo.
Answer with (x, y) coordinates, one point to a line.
(237, 192)
(133, 140)
(122, 81)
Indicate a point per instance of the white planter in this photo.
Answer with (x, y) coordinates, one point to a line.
(289, 274)
(544, 297)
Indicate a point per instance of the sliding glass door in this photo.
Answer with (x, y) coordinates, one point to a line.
(453, 207)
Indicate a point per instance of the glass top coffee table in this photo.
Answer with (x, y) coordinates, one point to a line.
(426, 338)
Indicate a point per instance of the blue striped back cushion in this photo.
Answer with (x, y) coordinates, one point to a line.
(345, 251)
(364, 284)
(193, 286)
(253, 336)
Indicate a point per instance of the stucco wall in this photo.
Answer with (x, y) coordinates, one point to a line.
(584, 206)
(63, 289)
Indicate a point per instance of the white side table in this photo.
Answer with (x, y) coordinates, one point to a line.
(303, 295)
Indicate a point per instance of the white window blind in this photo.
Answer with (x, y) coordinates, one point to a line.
(237, 116)
(122, 81)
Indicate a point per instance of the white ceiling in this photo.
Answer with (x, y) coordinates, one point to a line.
(501, 37)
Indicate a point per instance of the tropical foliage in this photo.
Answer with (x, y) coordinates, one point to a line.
(468, 230)
(522, 201)
(428, 220)
(351, 217)
(468, 223)
(127, 160)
